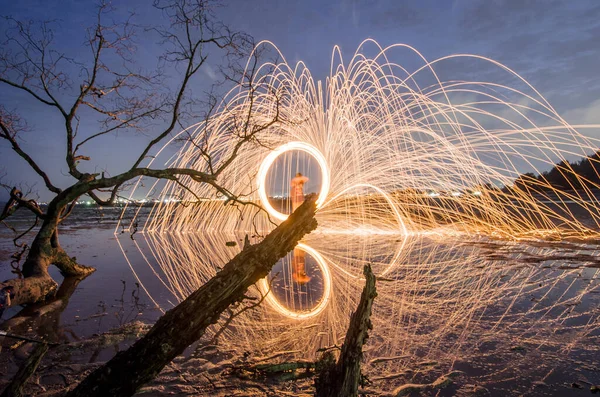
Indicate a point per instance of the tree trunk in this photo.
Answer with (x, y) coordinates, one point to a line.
(43, 318)
(45, 251)
(186, 323)
(29, 289)
(343, 378)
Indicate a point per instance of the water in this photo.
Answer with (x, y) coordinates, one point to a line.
(106, 299)
(508, 314)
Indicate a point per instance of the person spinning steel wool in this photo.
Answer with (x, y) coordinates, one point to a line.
(297, 190)
(299, 256)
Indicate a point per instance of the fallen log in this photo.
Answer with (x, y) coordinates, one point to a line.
(342, 378)
(440, 383)
(31, 289)
(282, 367)
(187, 322)
(38, 285)
(42, 317)
(278, 372)
(15, 387)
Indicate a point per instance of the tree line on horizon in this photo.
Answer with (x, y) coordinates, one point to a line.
(583, 174)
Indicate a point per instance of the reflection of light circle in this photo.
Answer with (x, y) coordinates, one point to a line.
(270, 298)
(268, 161)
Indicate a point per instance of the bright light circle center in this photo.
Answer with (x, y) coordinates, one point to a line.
(270, 159)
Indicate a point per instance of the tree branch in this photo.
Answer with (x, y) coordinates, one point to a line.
(6, 121)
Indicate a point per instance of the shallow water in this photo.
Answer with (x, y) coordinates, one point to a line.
(106, 299)
(516, 317)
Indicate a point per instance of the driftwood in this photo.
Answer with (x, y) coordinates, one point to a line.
(274, 369)
(38, 285)
(15, 387)
(282, 367)
(440, 383)
(342, 378)
(187, 322)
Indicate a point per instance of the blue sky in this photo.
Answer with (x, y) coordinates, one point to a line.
(553, 44)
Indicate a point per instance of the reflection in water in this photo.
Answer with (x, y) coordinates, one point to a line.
(303, 304)
(299, 267)
(437, 299)
(44, 318)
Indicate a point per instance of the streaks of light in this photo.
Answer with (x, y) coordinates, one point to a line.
(415, 166)
(442, 297)
(442, 155)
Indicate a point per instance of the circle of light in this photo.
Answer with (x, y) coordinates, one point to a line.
(401, 224)
(270, 297)
(268, 161)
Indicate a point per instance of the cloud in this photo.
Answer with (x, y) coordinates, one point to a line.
(209, 71)
(398, 14)
(552, 44)
(548, 34)
(589, 114)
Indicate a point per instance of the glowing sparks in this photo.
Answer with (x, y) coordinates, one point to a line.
(410, 167)
(399, 151)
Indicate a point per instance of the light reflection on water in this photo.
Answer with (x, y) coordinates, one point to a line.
(438, 299)
(465, 303)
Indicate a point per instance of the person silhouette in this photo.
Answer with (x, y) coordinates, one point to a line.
(299, 256)
(297, 190)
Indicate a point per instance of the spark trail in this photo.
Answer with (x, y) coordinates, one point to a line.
(393, 150)
(416, 176)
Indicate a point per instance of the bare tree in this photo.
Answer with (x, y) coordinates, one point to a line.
(114, 94)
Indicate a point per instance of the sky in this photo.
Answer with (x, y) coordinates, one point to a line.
(552, 44)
